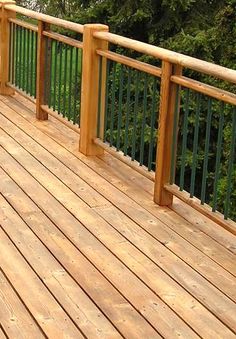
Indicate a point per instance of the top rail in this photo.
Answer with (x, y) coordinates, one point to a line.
(46, 18)
(170, 56)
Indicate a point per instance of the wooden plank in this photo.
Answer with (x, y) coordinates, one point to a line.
(71, 297)
(185, 229)
(170, 56)
(90, 89)
(49, 315)
(125, 318)
(133, 183)
(218, 253)
(124, 174)
(2, 335)
(104, 174)
(139, 65)
(190, 310)
(206, 293)
(88, 195)
(16, 321)
(204, 224)
(142, 298)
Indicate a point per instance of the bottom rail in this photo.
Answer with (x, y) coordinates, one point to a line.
(22, 93)
(125, 159)
(59, 117)
(205, 209)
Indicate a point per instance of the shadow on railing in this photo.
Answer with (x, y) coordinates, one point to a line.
(177, 131)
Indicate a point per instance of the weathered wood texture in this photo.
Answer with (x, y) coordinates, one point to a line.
(5, 50)
(41, 73)
(86, 232)
(89, 91)
(165, 134)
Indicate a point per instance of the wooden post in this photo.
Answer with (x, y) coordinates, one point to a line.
(41, 64)
(165, 133)
(5, 46)
(90, 87)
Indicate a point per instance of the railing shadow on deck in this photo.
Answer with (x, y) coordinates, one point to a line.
(167, 126)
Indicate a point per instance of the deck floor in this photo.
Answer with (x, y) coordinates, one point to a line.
(84, 252)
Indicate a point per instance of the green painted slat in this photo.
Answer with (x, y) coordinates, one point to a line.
(184, 142)
(121, 82)
(60, 48)
(27, 61)
(152, 124)
(70, 82)
(20, 57)
(230, 167)
(14, 55)
(195, 145)
(141, 158)
(23, 59)
(35, 63)
(218, 160)
(65, 82)
(127, 113)
(55, 76)
(10, 54)
(46, 78)
(136, 102)
(113, 103)
(174, 137)
(206, 152)
(99, 97)
(50, 82)
(75, 118)
(106, 100)
(32, 63)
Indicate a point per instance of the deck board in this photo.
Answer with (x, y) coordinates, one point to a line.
(88, 230)
(15, 318)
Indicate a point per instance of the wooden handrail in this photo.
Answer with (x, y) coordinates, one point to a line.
(24, 24)
(200, 87)
(46, 18)
(139, 65)
(64, 39)
(170, 56)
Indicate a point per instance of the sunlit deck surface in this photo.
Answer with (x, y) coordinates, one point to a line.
(84, 252)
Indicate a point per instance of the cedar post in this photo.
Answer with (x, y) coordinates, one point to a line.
(165, 133)
(90, 88)
(41, 64)
(5, 46)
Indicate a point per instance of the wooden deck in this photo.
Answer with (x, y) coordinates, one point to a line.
(84, 252)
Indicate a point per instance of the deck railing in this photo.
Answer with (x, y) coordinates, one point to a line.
(155, 119)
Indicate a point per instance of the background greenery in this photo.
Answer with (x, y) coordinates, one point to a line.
(205, 29)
